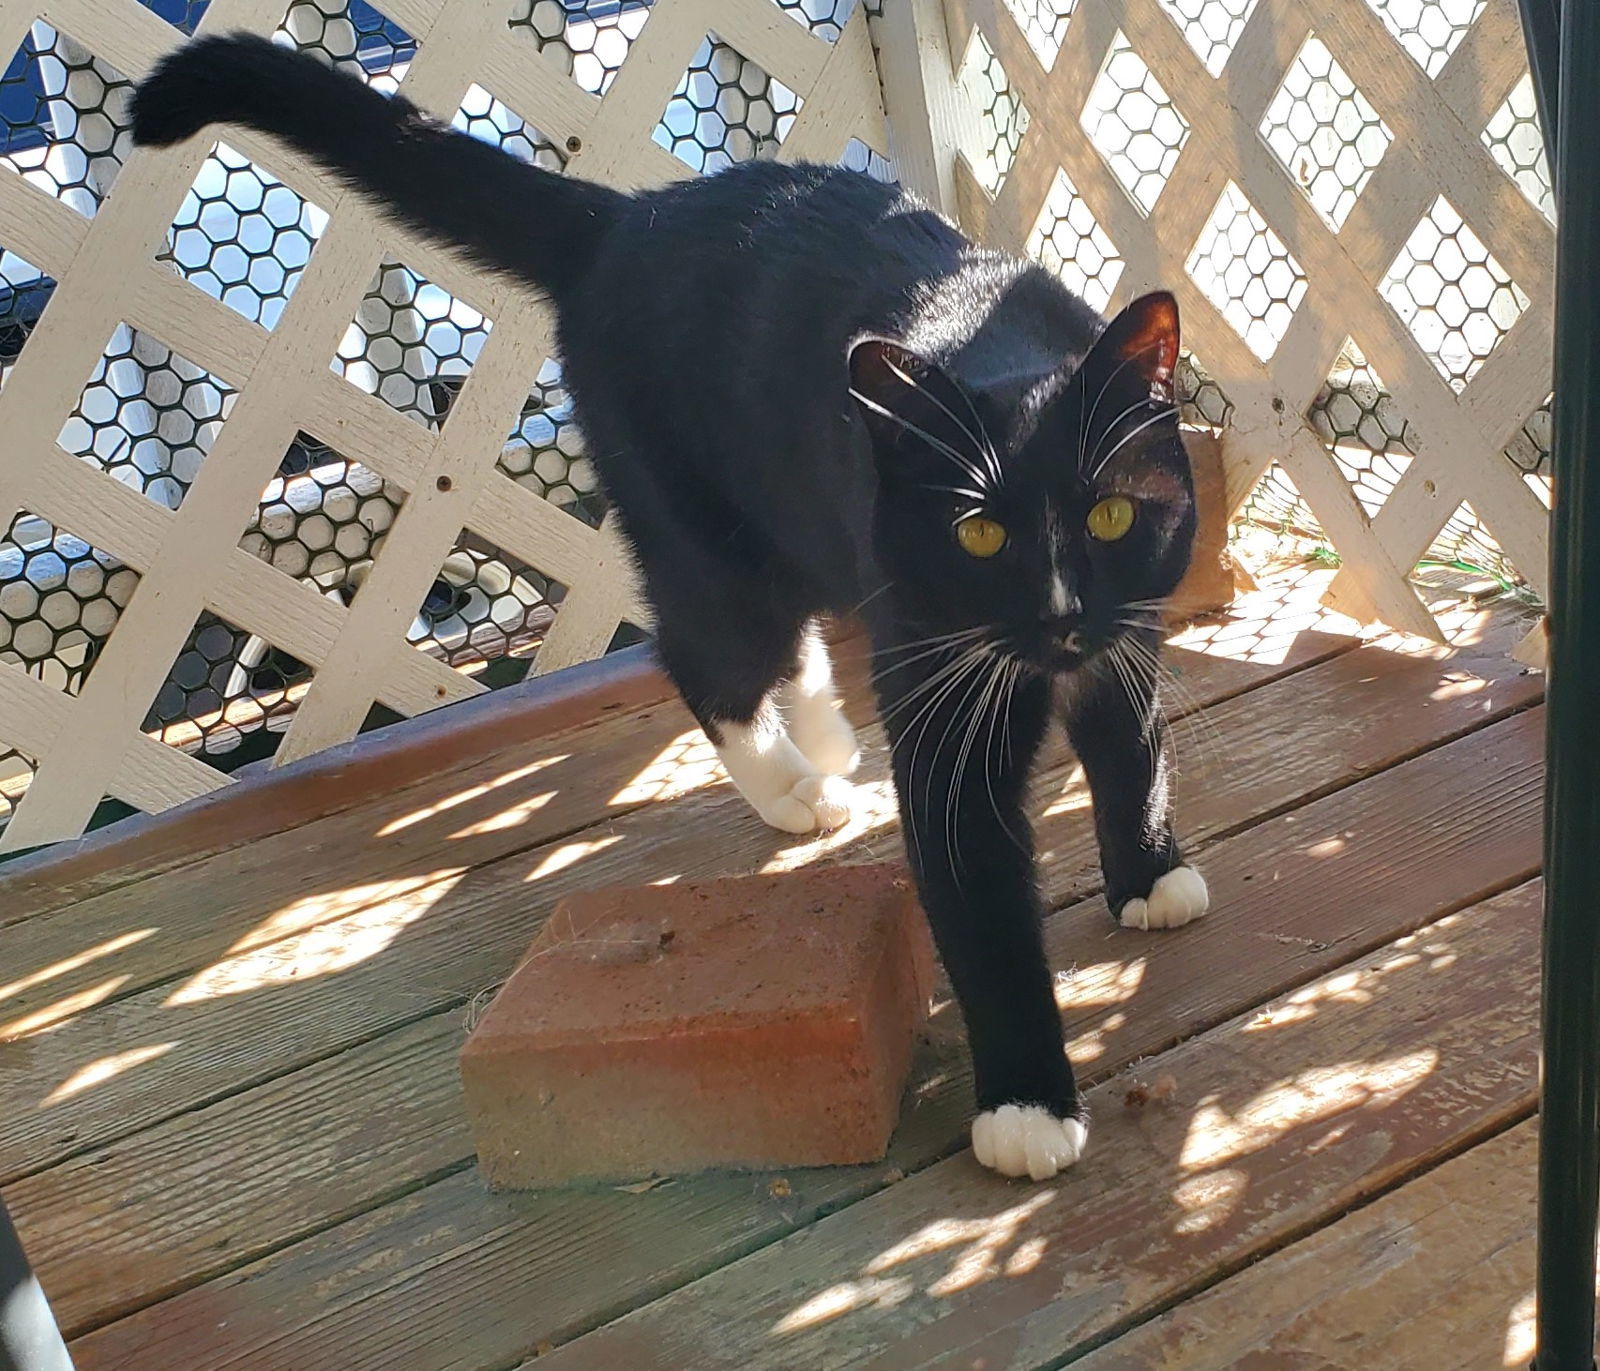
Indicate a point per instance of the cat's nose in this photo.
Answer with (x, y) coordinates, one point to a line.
(1061, 629)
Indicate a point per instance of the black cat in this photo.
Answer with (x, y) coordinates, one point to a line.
(808, 394)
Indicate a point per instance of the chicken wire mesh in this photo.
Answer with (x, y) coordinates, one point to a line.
(1134, 125)
(589, 39)
(24, 292)
(1212, 27)
(726, 109)
(1068, 240)
(355, 38)
(59, 600)
(486, 607)
(1514, 141)
(1044, 25)
(1325, 132)
(64, 123)
(243, 237)
(148, 416)
(1002, 119)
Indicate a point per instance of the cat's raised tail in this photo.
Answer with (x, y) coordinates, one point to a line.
(502, 212)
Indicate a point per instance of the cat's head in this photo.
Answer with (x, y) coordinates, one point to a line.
(1053, 510)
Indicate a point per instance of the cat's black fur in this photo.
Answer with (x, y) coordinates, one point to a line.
(714, 334)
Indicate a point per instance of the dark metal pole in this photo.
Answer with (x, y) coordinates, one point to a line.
(1569, 1140)
(1541, 30)
(29, 1338)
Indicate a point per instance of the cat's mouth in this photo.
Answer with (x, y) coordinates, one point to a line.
(1066, 653)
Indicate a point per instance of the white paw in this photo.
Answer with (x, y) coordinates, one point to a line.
(1027, 1140)
(815, 804)
(824, 735)
(1178, 898)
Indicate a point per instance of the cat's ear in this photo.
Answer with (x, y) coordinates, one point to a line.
(907, 401)
(1142, 344)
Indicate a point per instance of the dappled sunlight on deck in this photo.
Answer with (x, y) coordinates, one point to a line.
(349, 903)
(1219, 1135)
(569, 854)
(100, 1071)
(324, 949)
(1262, 626)
(1099, 985)
(73, 1003)
(1521, 1334)
(686, 763)
(81, 959)
(461, 797)
(988, 1247)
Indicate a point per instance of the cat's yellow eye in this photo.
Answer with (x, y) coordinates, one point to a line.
(1111, 518)
(980, 537)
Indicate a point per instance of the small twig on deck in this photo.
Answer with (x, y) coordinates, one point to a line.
(1310, 944)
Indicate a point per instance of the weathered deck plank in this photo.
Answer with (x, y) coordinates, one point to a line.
(490, 1279)
(278, 1004)
(1438, 1273)
(118, 1228)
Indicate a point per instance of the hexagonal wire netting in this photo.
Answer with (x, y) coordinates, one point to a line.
(1002, 117)
(589, 40)
(726, 109)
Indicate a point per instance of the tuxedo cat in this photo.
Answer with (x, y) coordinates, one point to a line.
(807, 394)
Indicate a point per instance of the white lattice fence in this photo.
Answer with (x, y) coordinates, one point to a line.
(1349, 200)
(149, 470)
(255, 425)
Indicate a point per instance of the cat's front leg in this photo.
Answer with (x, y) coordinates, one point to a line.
(965, 732)
(810, 706)
(1120, 735)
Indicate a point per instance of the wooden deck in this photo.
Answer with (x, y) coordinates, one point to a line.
(231, 1132)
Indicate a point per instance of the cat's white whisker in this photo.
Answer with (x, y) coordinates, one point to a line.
(930, 647)
(884, 589)
(975, 719)
(937, 444)
(976, 496)
(928, 686)
(1193, 716)
(1108, 430)
(1128, 437)
(939, 676)
(1006, 695)
(972, 663)
(1088, 423)
(954, 636)
(985, 448)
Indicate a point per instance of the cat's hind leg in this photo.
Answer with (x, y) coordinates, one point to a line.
(811, 710)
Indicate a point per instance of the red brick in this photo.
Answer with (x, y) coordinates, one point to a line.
(757, 1021)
